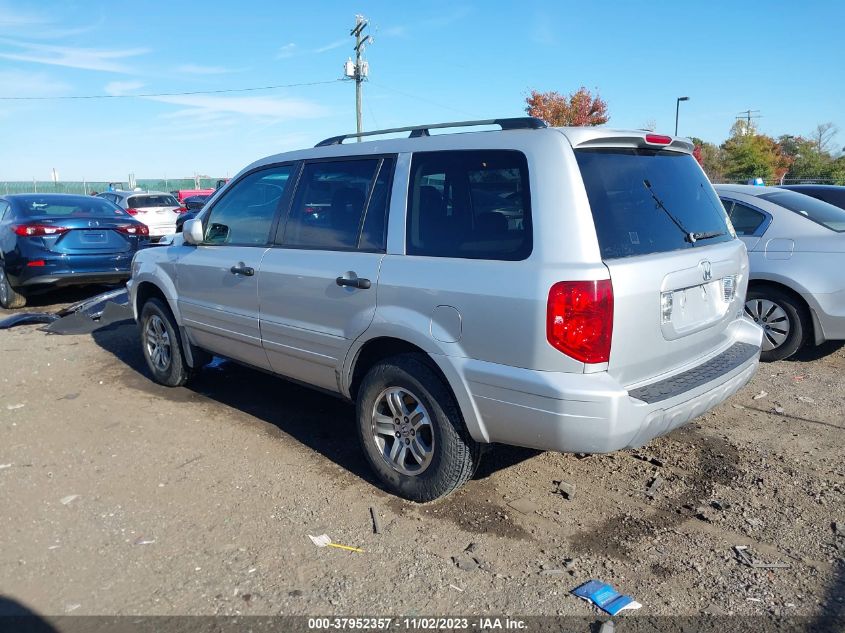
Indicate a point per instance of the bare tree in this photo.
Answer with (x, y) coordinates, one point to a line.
(650, 125)
(823, 136)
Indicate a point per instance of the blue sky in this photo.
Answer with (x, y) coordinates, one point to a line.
(431, 61)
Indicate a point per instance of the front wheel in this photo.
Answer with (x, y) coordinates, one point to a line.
(412, 431)
(784, 320)
(9, 297)
(161, 345)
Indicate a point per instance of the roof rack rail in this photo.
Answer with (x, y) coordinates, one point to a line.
(517, 123)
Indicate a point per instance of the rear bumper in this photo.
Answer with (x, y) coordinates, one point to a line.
(829, 315)
(74, 279)
(593, 413)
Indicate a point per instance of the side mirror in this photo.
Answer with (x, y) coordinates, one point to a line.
(192, 231)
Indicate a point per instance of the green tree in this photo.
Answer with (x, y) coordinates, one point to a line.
(711, 158)
(751, 155)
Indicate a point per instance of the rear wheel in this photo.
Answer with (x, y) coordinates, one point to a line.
(412, 431)
(784, 319)
(9, 297)
(162, 345)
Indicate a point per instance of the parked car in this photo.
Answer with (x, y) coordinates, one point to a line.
(796, 248)
(156, 209)
(182, 194)
(832, 194)
(52, 240)
(572, 289)
(190, 208)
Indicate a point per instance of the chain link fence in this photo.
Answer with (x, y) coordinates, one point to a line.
(87, 188)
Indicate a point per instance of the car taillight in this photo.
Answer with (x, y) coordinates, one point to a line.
(658, 139)
(134, 229)
(131, 211)
(580, 319)
(181, 210)
(36, 263)
(39, 230)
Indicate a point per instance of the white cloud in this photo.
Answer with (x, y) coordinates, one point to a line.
(196, 69)
(118, 88)
(288, 50)
(15, 83)
(13, 18)
(279, 108)
(333, 45)
(71, 57)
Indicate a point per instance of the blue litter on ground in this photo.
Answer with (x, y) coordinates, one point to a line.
(605, 597)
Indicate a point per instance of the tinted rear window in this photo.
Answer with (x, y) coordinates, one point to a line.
(820, 212)
(67, 206)
(635, 194)
(144, 202)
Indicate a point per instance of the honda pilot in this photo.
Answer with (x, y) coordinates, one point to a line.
(566, 289)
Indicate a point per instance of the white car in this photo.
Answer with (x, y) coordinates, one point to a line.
(156, 209)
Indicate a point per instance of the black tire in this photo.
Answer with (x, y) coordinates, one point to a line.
(797, 321)
(9, 297)
(454, 454)
(156, 318)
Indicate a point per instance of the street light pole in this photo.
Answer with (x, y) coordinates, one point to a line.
(677, 108)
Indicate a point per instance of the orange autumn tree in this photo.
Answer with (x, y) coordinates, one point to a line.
(578, 108)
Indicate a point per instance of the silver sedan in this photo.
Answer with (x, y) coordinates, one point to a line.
(796, 251)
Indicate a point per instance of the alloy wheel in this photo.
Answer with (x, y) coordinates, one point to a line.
(772, 318)
(4, 288)
(157, 342)
(402, 431)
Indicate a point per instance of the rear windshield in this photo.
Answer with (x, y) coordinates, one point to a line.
(144, 202)
(66, 206)
(650, 201)
(816, 210)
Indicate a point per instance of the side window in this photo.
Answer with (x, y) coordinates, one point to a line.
(745, 219)
(374, 233)
(329, 204)
(4, 210)
(245, 214)
(469, 204)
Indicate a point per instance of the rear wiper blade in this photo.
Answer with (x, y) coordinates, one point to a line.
(707, 235)
(689, 237)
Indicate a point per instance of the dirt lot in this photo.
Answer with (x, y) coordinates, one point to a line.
(122, 497)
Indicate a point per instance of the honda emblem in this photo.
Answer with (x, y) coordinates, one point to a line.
(706, 272)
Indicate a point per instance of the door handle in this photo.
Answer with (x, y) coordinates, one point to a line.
(242, 269)
(358, 282)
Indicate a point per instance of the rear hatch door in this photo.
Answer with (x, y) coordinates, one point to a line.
(157, 211)
(677, 269)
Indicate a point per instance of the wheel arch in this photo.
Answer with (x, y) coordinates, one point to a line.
(797, 296)
(367, 353)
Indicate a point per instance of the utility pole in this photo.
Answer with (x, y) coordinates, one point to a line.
(748, 115)
(359, 69)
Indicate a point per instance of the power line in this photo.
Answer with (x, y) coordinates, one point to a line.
(170, 94)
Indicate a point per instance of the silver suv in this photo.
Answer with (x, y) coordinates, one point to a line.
(573, 289)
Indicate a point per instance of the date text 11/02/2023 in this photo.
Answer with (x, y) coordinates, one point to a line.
(418, 623)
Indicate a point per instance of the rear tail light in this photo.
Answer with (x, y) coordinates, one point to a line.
(580, 319)
(36, 263)
(181, 210)
(39, 230)
(134, 229)
(132, 211)
(658, 139)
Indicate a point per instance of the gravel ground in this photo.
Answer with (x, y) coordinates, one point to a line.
(123, 497)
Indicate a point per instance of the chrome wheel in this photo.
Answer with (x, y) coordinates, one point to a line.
(4, 288)
(157, 343)
(772, 318)
(402, 431)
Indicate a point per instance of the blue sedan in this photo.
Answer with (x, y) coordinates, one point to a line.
(52, 240)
